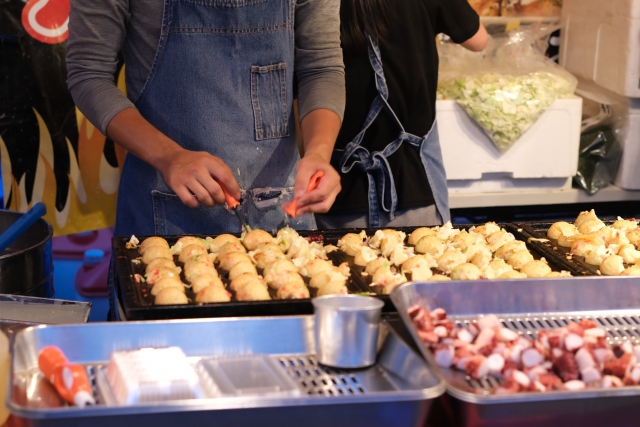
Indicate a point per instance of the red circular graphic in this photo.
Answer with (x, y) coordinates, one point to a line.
(47, 20)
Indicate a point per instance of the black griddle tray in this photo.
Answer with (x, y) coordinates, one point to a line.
(137, 302)
(562, 255)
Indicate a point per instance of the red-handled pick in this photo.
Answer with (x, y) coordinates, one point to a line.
(232, 203)
(291, 207)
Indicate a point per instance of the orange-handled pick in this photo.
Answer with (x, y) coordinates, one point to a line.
(291, 207)
(232, 203)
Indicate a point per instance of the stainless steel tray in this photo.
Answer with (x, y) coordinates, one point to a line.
(527, 306)
(397, 391)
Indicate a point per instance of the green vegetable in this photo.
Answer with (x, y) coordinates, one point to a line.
(506, 106)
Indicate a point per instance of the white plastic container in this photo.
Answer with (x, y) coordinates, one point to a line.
(629, 170)
(545, 157)
(601, 43)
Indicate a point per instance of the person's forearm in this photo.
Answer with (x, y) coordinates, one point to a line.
(136, 135)
(319, 131)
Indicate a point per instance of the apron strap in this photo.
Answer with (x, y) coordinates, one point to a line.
(382, 188)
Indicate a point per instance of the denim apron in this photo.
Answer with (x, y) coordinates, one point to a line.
(221, 82)
(382, 188)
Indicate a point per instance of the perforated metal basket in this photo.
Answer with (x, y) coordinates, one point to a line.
(396, 391)
(527, 306)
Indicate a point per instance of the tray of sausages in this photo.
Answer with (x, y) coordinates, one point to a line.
(534, 352)
(261, 273)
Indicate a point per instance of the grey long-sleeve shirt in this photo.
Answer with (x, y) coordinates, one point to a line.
(99, 29)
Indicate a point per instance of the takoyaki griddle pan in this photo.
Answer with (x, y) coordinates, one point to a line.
(536, 234)
(137, 301)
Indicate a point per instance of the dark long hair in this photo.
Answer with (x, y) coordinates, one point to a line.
(358, 16)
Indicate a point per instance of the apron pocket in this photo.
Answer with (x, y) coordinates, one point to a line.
(269, 101)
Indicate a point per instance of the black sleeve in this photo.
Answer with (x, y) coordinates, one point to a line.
(455, 18)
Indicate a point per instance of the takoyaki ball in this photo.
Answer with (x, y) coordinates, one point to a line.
(293, 290)
(382, 275)
(229, 261)
(634, 237)
(417, 267)
(607, 234)
(255, 237)
(465, 239)
(558, 274)
(351, 243)
(584, 217)
(430, 245)
(325, 277)
(510, 248)
(201, 259)
(482, 258)
(520, 259)
(372, 266)
(277, 267)
(364, 256)
(561, 228)
(204, 281)
(218, 242)
(299, 247)
(536, 269)
(380, 235)
(269, 246)
(332, 288)
(447, 232)
(157, 274)
(241, 268)
(466, 272)
(498, 239)
(195, 269)
(512, 275)
(419, 233)
(497, 268)
(264, 258)
(596, 257)
(316, 266)
(167, 282)
(156, 251)
(285, 236)
(152, 241)
(625, 224)
(413, 262)
(487, 229)
(591, 226)
(171, 296)
(253, 291)
(191, 251)
(581, 245)
(185, 241)
(631, 271)
(450, 260)
(244, 279)
(230, 247)
(439, 278)
(389, 243)
(283, 278)
(629, 253)
(212, 294)
(389, 287)
(161, 263)
(612, 265)
(620, 238)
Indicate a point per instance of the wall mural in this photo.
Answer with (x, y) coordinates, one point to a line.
(49, 150)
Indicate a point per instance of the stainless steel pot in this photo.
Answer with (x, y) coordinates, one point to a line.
(26, 267)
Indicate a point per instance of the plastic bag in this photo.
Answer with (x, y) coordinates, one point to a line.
(600, 154)
(509, 86)
(603, 127)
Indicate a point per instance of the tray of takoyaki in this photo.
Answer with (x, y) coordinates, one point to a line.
(593, 246)
(532, 352)
(259, 273)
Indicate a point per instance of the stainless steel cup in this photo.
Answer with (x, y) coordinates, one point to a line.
(346, 330)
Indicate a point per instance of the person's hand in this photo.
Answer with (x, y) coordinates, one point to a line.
(196, 177)
(321, 199)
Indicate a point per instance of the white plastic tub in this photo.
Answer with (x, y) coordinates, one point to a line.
(545, 157)
(601, 43)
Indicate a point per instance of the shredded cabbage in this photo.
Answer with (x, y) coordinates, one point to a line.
(506, 106)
